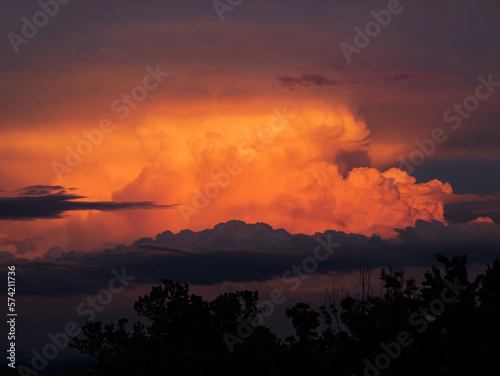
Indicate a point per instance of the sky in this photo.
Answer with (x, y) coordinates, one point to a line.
(213, 142)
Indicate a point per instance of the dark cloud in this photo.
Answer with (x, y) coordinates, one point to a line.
(483, 206)
(312, 79)
(308, 79)
(240, 252)
(44, 202)
(410, 75)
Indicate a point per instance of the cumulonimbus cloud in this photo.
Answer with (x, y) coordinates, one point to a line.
(312, 175)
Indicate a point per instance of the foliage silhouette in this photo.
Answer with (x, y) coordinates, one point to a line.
(452, 328)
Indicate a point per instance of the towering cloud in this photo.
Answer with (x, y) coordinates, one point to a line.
(303, 167)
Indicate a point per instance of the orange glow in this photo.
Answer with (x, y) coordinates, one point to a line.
(285, 171)
(282, 172)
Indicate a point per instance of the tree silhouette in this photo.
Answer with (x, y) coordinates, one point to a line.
(448, 326)
(185, 334)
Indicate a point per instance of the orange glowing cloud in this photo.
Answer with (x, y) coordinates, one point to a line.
(276, 164)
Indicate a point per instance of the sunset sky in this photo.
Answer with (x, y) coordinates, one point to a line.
(122, 120)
